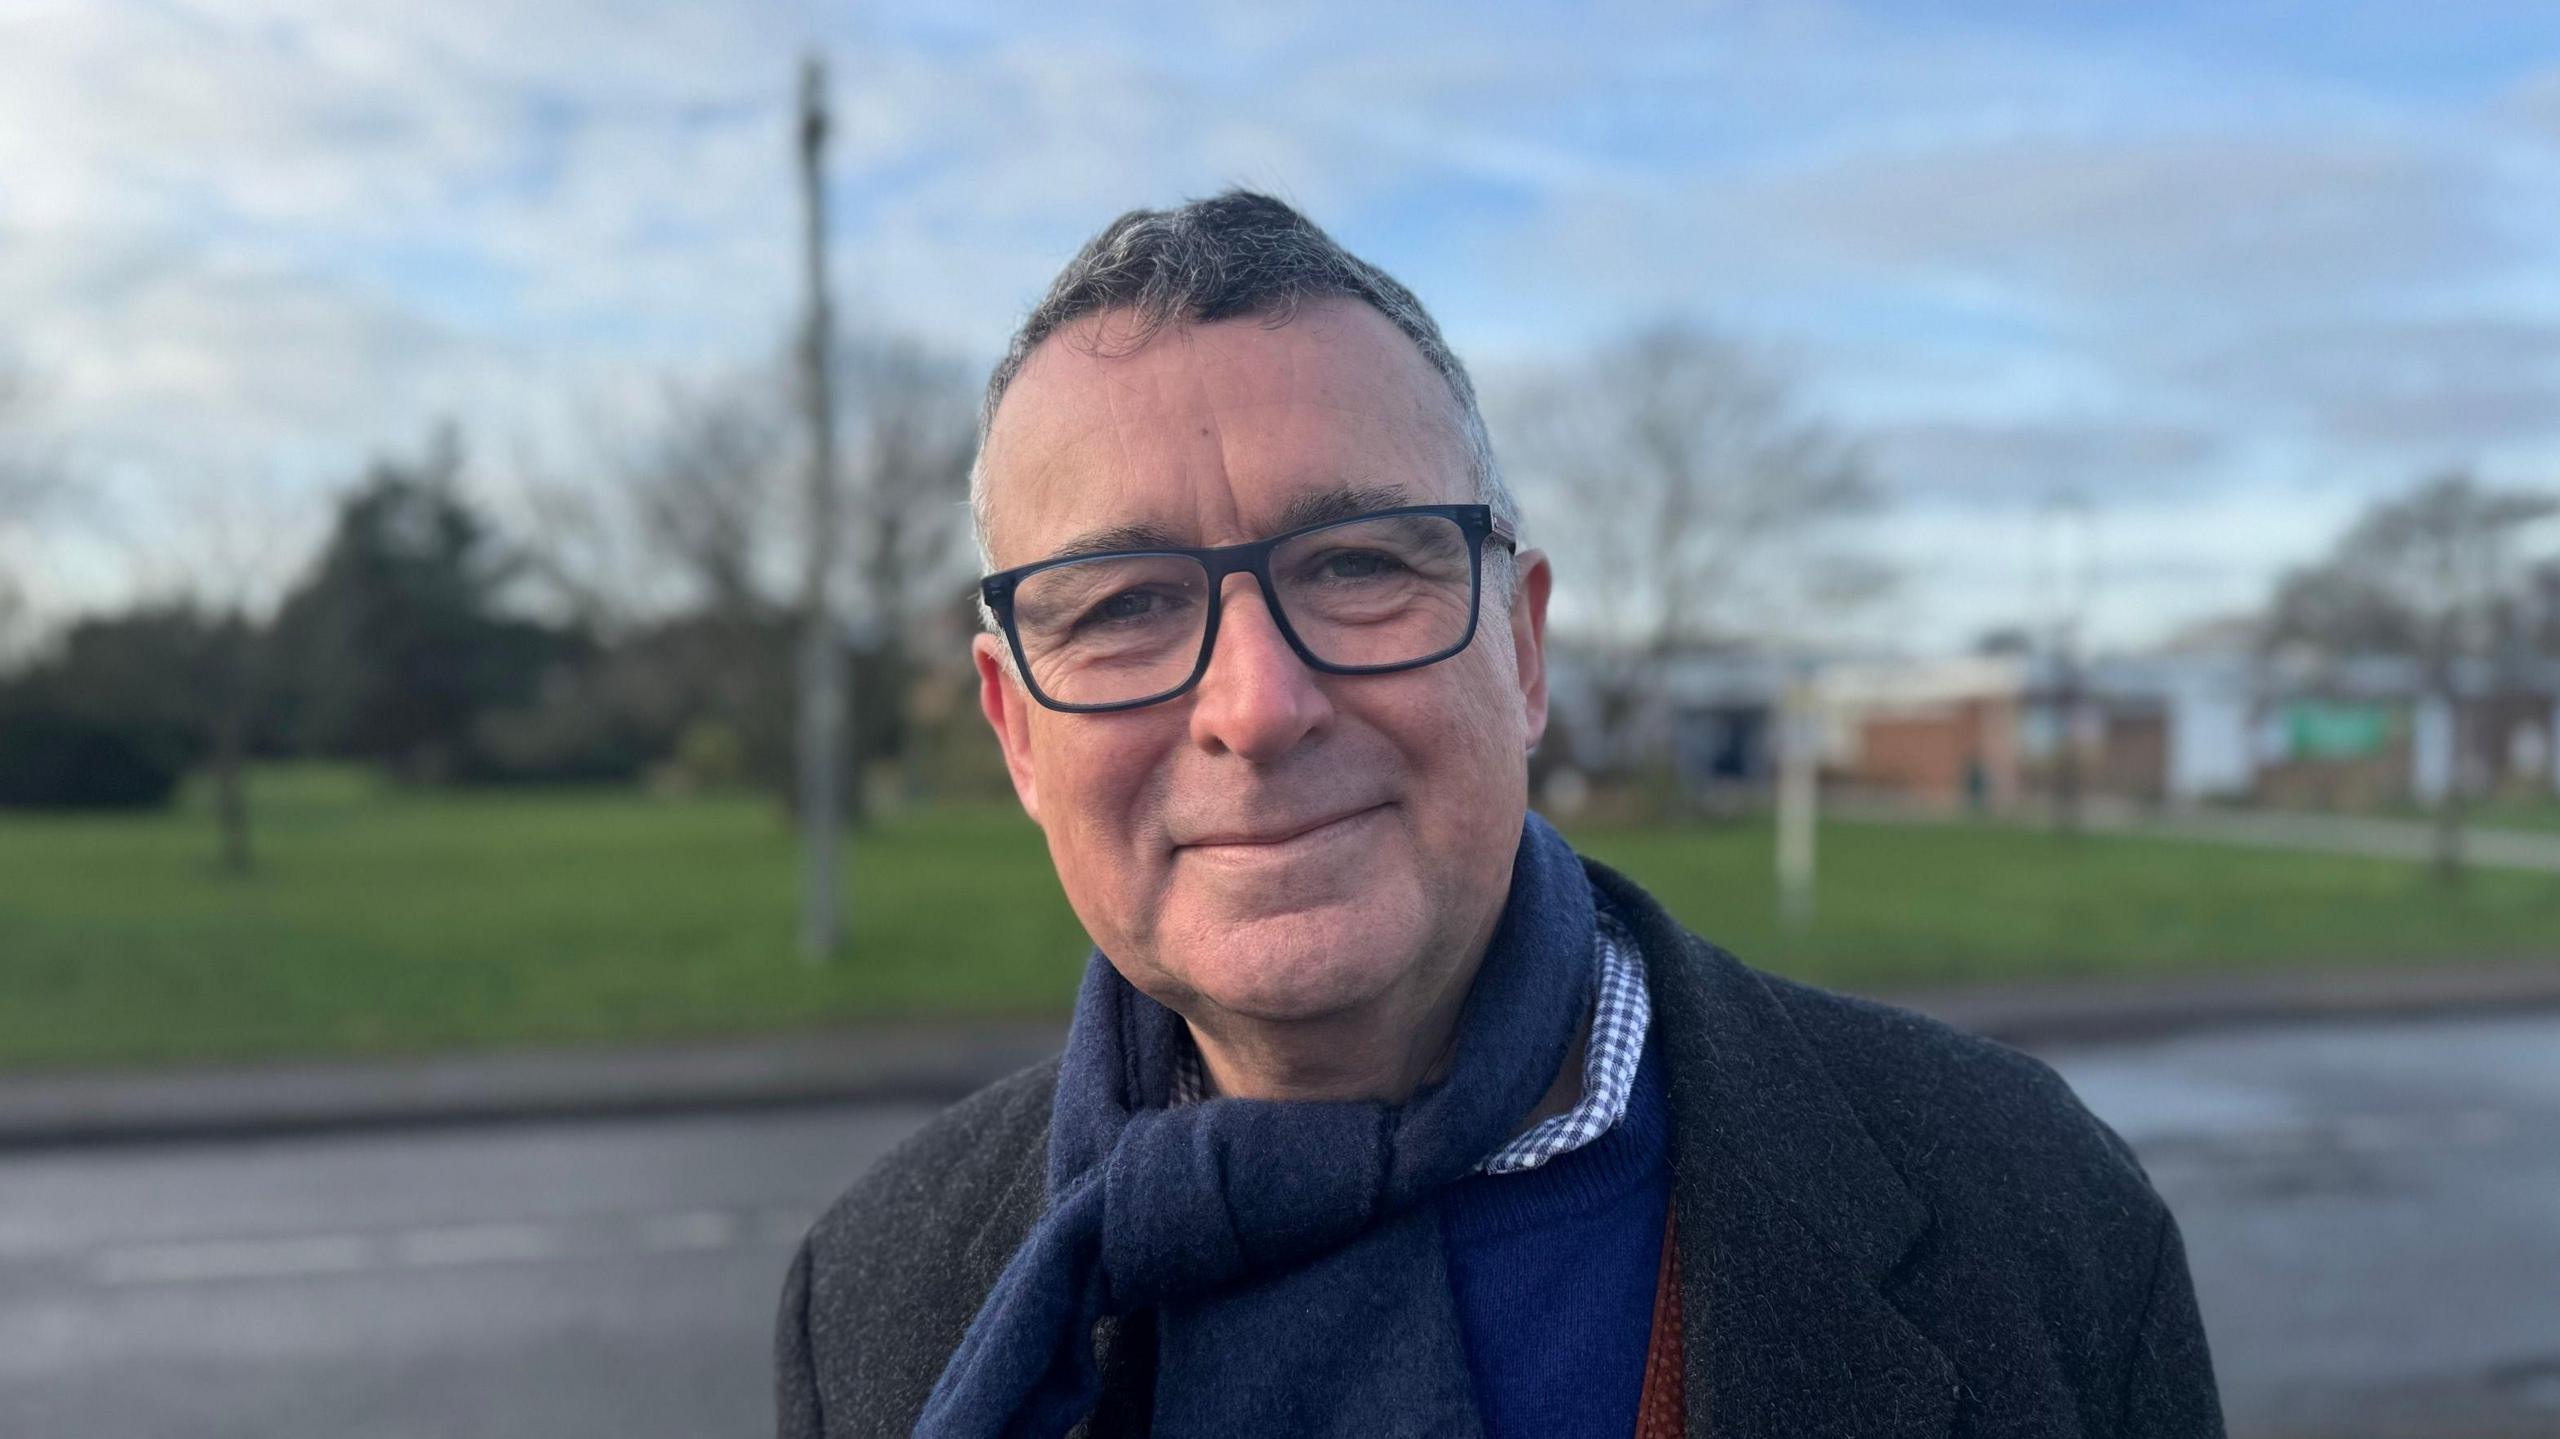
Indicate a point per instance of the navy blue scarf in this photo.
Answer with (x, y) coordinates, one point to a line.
(1294, 1267)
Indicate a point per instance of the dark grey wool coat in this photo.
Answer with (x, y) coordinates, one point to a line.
(1886, 1227)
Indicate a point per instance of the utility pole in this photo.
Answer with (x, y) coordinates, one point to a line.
(1799, 773)
(822, 678)
(2075, 578)
(2066, 755)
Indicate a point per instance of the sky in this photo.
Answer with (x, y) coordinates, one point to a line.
(2205, 277)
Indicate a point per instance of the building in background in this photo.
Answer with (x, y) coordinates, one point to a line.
(1991, 733)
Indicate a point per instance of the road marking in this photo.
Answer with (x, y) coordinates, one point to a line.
(236, 1259)
(701, 1229)
(691, 1231)
(476, 1244)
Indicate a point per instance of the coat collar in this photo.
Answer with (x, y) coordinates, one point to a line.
(1791, 1222)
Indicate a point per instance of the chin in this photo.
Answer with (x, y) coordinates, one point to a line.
(1300, 965)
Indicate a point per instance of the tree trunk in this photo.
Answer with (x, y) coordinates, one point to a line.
(230, 745)
(2449, 836)
(2066, 752)
(2451, 806)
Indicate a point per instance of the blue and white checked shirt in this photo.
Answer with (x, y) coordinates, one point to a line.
(1619, 1020)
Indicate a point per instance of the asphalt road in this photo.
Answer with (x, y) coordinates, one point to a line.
(614, 1278)
(2373, 1212)
(2372, 1216)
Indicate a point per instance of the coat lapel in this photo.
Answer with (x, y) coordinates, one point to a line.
(1791, 1221)
(1124, 1350)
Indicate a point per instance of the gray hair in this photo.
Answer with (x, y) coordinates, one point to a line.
(1232, 256)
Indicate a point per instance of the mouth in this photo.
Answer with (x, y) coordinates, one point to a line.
(1245, 844)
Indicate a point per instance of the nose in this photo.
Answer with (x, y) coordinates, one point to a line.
(1258, 699)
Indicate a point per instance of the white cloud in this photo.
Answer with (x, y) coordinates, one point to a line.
(270, 236)
(2149, 567)
(1960, 465)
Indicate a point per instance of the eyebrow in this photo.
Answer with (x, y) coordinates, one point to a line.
(1134, 536)
(1316, 507)
(1340, 502)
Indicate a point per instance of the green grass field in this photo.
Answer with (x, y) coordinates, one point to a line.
(389, 921)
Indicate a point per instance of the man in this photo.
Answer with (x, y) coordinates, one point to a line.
(1382, 1113)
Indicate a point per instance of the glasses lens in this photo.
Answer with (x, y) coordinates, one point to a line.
(1385, 591)
(1111, 630)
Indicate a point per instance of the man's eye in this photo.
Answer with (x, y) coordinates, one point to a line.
(1356, 565)
(1126, 607)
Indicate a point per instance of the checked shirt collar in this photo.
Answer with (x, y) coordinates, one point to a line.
(1620, 1015)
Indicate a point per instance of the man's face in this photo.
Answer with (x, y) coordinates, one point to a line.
(1277, 844)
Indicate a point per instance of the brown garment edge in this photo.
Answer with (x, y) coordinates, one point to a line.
(1662, 1410)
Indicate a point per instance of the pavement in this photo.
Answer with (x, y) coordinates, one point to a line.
(2367, 1207)
(925, 1062)
(2345, 834)
(934, 1062)
(2372, 836)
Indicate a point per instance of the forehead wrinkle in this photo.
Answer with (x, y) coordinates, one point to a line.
(1166, 400)
(1303, 383)
(1062, 440)
(1033, 450)
(1308, 508)
(1195, 371)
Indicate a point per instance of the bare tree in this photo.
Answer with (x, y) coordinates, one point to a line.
(665, 531)
(222, 551)
(695, 520)
(244, 551)
(1678, 474)
(712, 496)
(698, 509)
(2437, 576)
(585, 556)
(909, 429)
(244, 544)
(674, 505)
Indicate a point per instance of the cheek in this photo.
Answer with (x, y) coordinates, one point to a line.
(1466, 735)
(1085, 812)
(1094, 775)
(1481, 715)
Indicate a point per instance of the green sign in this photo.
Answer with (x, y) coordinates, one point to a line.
(2325, 729)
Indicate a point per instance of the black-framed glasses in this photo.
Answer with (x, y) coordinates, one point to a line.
(1389, 590)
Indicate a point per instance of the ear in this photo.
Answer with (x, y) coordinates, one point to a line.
(1529, 638)
(1007, 706)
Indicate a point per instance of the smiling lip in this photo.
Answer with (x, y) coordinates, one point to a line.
(1274, 840)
